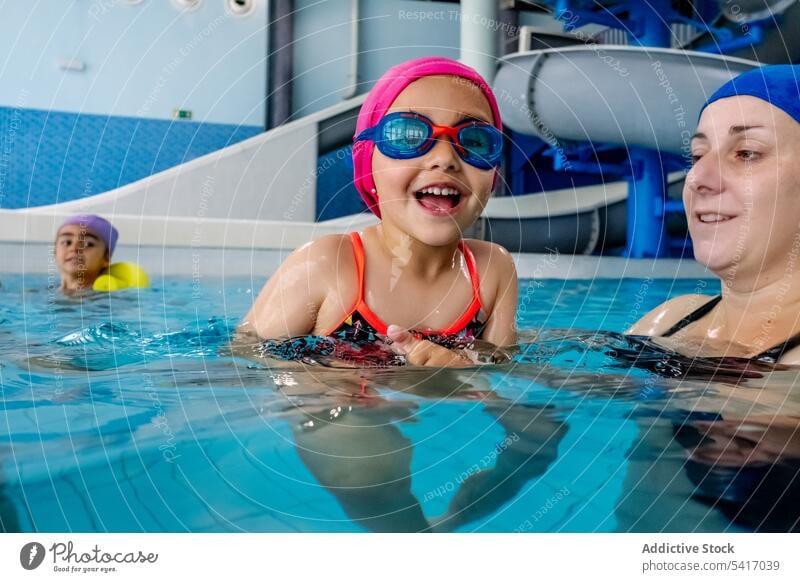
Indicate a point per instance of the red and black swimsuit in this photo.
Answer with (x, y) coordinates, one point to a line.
(361, 324)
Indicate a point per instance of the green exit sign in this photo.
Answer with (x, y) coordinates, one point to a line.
(181, 114)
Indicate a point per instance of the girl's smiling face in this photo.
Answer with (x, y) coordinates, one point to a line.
(742, 195)
(80, 254)
(400, 184)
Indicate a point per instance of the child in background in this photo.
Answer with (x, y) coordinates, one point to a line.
(427, 147)
(84, 245)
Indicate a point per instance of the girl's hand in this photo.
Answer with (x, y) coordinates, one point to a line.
(419, 352)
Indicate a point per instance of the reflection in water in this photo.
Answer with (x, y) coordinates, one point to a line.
(354, 447)
(530, 448)
(366, 466)
(143, 418)
(748, 469)
(8, 513)
(751, 477)
(743, 449)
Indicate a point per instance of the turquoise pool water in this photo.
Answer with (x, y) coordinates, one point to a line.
(129, 412)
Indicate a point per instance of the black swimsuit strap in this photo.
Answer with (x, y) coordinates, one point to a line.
(772, 355)
(693, 316)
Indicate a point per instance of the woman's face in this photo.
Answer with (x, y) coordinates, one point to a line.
(435, 221)
(80, 254)
(742, 195)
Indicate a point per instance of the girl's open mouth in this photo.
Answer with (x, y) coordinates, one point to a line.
(438, 200)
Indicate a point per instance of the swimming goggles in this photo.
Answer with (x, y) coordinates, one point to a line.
(404, 135)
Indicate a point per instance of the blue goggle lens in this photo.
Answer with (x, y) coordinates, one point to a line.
(405, 136)
(479, 140)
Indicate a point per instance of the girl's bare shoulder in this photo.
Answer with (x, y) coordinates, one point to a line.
(337, 272)
(294, 297)
(496, 270)
(326, 247)
(323, 257)
(491, 258)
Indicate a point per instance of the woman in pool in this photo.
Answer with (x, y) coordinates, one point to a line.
(84, 245)
(743, 209)
(742, 200)
(427, 146)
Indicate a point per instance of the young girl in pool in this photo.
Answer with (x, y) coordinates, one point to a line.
(427, 147)
(84, 245)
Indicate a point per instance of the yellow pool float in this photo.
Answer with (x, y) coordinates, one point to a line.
(122, 276)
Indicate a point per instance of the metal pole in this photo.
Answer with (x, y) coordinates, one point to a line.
(352, 76)
(647, 190)
(479, 37)
(647, 228)
(279, 63)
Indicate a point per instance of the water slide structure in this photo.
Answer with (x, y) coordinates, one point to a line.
(598, 143)
(621, 104)
(611, 111)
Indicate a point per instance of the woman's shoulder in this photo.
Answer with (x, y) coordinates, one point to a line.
(666, 315)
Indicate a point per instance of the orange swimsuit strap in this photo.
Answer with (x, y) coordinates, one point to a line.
(379, 326)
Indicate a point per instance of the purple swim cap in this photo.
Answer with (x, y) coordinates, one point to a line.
(381, 97)
(98, 226)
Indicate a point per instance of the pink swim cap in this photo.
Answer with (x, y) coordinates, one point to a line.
(381, 97)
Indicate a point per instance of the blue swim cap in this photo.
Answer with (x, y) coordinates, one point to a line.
(778, 85)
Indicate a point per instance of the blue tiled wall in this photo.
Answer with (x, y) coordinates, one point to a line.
(336, 194)
(48, 157)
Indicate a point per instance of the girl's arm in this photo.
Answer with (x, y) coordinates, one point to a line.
(290, 301)
(501, 327)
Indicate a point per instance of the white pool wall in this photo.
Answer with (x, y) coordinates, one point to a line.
(35, 257)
